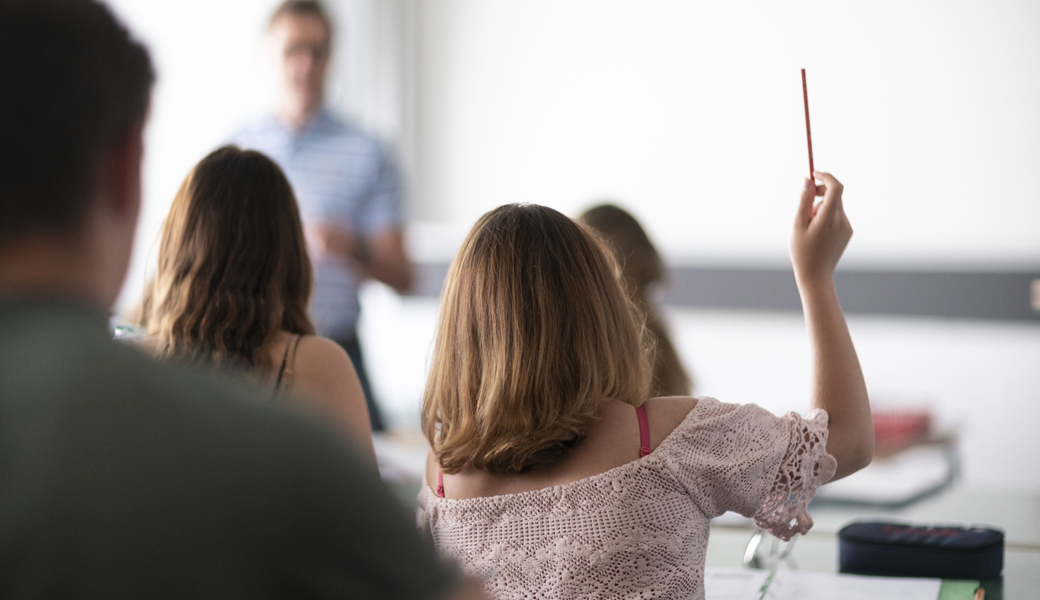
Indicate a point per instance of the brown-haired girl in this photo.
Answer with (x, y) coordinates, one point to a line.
(233, 286)
(552, 475)
(642, 272)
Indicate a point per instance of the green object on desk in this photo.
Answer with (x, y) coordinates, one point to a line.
(958, 589)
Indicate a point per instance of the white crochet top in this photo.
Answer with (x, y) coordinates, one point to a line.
(639, 530)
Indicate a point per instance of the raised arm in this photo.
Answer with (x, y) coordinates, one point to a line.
(821, 232)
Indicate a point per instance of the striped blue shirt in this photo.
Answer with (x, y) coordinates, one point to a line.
(341, 176)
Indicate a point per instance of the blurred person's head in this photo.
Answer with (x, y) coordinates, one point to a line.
(301, 35)
(535, 332)
(641, 265)
(233, 267)
(74, 94)
(642, 270)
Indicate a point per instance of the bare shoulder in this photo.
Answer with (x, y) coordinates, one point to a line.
(618, 425)
(667, 413)
(322, 363)
(323, 372)
(325, 377)
(672, 407)
(319, 355)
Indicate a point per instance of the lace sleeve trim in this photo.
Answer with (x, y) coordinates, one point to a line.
(804, 468)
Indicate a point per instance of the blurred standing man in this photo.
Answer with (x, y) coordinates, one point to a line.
(121, 478)
(347, 186)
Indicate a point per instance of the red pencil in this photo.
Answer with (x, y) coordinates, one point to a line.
(808, 134)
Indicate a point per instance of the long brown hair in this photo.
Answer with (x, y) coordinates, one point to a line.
(535, 332)
(233, 265)
(641, 269)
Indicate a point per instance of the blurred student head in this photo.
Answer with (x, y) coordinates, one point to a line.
(641, 265)
(643, 273)
(301, 37)
(233, 266)
(73, 100)
(535, 332)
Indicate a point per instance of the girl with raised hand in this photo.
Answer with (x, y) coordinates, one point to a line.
(552, 474)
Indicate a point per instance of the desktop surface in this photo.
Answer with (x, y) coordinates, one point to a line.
(1017, 513)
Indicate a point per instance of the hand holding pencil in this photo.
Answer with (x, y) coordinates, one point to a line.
(821, 231)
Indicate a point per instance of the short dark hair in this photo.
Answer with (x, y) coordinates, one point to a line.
(73, 83)
(301, 8)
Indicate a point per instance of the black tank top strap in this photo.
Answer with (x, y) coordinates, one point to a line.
(285, 372)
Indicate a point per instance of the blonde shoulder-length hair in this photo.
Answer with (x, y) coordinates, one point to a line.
(535, 332)
(233, 267)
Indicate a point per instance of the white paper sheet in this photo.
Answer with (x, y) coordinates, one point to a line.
(744, 584)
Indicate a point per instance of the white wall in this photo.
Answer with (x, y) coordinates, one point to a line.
(691, 114)
(979, 379)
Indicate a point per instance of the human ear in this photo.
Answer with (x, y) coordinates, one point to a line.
(122, 174)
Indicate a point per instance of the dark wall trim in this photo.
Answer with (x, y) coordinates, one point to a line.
(1002, 295)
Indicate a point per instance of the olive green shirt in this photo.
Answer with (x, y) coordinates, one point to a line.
(121, 478)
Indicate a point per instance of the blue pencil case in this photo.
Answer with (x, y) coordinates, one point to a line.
(947, 552)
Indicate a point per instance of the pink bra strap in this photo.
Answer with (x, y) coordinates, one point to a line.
(644, 432)
(440, 484)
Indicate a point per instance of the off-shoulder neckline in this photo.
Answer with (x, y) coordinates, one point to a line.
(428, 492)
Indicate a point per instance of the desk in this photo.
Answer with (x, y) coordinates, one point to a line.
(1017, 514)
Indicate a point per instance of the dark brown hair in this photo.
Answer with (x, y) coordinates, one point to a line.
(642, 268)
(535, 332)
(641, 265)
(233, 265)
(72, 82)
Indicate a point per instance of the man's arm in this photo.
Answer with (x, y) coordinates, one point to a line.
(374, 245)
(388, 261)
(381, 256)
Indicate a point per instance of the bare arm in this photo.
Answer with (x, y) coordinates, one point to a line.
(388, 262)
(326, 380)
(821, 233)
